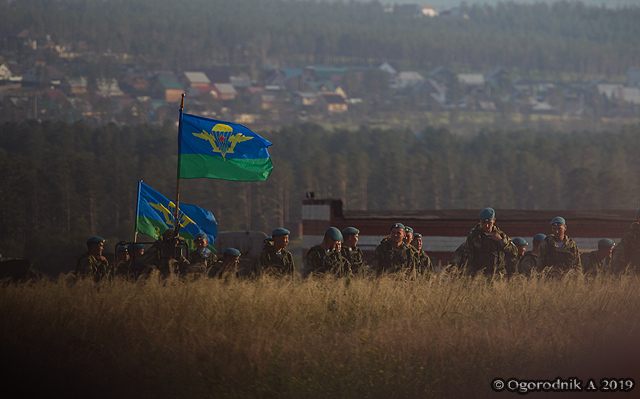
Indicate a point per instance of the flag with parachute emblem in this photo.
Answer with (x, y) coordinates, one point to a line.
(221, 150)
(155, 214)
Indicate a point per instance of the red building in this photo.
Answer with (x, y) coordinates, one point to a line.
(444, 230)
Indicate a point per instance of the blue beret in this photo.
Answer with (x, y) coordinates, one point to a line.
(122, 248)
(135, 247)
(334, 233)
(539, 237)
(350, 230)
(558, 221)
(268, 239)
(397, 226)
(606, 243)
(417, 235)
(232, 252)
(487, 214)
(520, 241)
(280, 232)
(200, 236)
(408, 229)
(94, 239)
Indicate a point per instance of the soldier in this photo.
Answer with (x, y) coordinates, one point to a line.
(325, 258)
(226, 267)
(626, 256)
(527, 263)
(423, 261)
(93, 263)
(393, 255)
(598, 261)
(275, 259)
(122, 263)
(558, 253)
(408, 235)
(489, 248)
(512, 263)
(163, 255)
(202, 258)
(460, 258)
(350, 251)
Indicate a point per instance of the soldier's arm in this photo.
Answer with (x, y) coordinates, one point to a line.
(83, 267)
(542, 256)
(289, 265)
(577, 263)
(508, 247)
(313, 262)
(376, 264)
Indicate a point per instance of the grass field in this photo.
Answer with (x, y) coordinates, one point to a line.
(324, 338)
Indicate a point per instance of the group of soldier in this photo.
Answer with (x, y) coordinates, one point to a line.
(164, 256)
(487, 251)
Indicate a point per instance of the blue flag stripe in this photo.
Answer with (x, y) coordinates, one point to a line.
(193, 219)
(236, 141)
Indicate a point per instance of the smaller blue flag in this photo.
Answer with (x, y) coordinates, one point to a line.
(155, 214)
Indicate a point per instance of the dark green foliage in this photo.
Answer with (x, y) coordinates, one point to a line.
(62, 183)
(559, 37)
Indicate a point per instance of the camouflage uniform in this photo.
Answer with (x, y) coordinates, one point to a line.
(200, 264)
(320, 262)
(161, 256)
(460, 258)
(487, 255)
(627, 253)
(217, 270)
(592, 265)
(355, 258)
(89, 265)
(424, 264)
(273, 263)
(559, 259)
(527, 263)
(392, 259)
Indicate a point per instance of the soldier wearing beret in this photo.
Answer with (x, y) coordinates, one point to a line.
(528, 262)
(598, 261)
(423, 261)
(489, 248)
(226, 267)
(392, 255)
(350, 250)
(202, 258)
(558, 253)
(122, 261)
(275, 259)
(626, 256)
(93, 263)
(325, 258)
(408, 235)
(512, 263)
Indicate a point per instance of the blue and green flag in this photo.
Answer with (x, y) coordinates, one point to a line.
(155, 214)
(221, 150)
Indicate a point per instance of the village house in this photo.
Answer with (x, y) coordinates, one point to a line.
(225, 91)
(195, 79)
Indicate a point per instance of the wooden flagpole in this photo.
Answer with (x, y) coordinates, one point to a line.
(176, 220)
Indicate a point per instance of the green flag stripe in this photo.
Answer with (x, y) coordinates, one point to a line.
(194, 166)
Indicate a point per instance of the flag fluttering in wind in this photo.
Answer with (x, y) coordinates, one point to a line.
(221, 150)
(155, 214)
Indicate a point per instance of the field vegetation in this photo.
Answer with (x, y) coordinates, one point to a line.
(318, 338)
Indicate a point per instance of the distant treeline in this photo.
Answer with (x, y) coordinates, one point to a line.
(565, 36)
(62, 183)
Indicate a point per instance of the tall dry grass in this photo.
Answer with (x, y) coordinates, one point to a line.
(320, 338)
